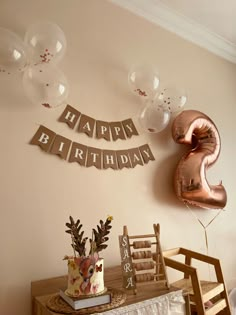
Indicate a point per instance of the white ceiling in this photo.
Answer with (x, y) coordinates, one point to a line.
(208, 23)
(216, 15)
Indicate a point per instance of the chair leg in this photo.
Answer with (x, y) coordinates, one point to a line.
(197, 293)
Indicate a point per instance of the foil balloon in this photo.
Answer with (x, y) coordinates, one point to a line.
(45, 85)
(13, 52)
(194, 128)
(46, 42)
(144, 81)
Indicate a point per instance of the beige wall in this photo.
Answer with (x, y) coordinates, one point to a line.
(39, 191)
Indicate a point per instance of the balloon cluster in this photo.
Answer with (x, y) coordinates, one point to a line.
(36, 57)
(159, 105)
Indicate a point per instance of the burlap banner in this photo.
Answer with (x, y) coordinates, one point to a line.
(98, 128)
(86, 156)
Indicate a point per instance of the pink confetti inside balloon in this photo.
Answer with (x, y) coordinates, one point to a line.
(46, 41)
(45, 85)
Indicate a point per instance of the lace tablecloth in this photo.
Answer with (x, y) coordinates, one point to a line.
(172, 303)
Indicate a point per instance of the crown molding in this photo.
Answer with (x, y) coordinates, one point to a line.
(160, 14)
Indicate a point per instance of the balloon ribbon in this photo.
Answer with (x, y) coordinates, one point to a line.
(204, 226)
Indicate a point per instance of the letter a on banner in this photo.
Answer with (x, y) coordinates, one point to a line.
(135, 157)
(44, 138)
(86, 125)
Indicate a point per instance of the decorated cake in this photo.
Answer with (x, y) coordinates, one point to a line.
(86, 272)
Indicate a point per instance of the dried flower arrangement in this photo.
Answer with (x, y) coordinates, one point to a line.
(99, 237)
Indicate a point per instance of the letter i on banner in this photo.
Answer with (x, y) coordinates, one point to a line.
(61, 146)
(44, 138)
(70, 116)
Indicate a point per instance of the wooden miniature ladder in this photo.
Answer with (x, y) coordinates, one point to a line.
(146, 257)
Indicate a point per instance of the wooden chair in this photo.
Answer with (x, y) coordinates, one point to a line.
(201, 293)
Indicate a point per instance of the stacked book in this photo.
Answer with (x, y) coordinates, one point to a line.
(85, 301)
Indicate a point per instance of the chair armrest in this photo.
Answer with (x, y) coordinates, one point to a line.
(198, 256)
(186, 269)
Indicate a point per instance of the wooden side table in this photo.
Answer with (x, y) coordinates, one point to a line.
(43, 289)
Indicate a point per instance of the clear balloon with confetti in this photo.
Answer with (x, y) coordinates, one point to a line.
(46, 42)
(172, 99)
(45, 85)
(144, 81)
(153, 119)
(13, 53)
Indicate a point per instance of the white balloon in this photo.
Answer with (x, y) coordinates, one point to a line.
(153, 119)
(47, 42)
(144, 81)
(13, 52)
(45, 85)
(172, 99)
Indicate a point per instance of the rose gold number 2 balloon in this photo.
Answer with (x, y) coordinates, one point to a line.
(191, 186)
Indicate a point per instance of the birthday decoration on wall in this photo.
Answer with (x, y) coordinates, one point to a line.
(101, 129)
(36, 57)
(194, 128)
(154, 117)
(86, 156)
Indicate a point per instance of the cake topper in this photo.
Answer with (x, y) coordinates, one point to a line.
(97, 242)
